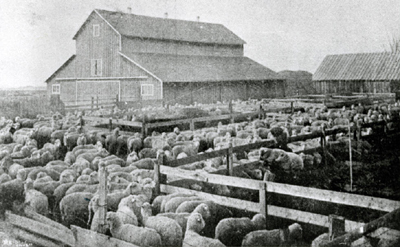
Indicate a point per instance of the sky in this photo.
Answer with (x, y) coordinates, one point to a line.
(36, 35)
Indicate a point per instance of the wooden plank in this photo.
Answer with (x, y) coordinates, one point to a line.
(41, 229)
(103, 120)
(212, 178)
(381, 204)
(390, 220)
(87, 238)
(385, 233)
(32, 238)
(29, 212)
(222, 200)
(296, 215)
(199, 157)
(251, 146)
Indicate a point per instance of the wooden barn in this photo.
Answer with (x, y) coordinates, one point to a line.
(358, 73)
(131, 58)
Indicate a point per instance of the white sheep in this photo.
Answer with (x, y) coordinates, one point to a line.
(130, 233)
(37, 200)
(195, 225)
(169, 230)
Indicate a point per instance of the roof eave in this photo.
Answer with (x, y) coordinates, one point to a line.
(61, 67)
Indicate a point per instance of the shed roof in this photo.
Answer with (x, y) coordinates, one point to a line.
(180, 68)
(359, 66)
(131, 25)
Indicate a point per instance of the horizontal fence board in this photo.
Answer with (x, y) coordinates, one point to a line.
(375, 203)
(222, 200)
(32, 238)
(39, 228)
(87, 238)
(102, 120)
(199, 157)
(212, 178)
(251, 146)
(292, 214)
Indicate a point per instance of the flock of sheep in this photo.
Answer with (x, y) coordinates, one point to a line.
(51, 164)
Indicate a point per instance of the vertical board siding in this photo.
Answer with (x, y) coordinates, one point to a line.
(67, 90)
(179, 48)
(356, 86)
(105, 47)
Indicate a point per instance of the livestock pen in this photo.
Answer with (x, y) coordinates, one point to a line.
(36, 229)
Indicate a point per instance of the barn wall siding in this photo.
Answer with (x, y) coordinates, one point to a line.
(179, 48)
(104, 47)
(356, 86)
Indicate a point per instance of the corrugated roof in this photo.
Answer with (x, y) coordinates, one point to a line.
(179, 68)
(131, 25)
(360, 66)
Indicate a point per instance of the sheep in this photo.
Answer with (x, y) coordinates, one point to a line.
(277, 237)
(182, 218)
(125, 211)
(73, 208)
(173, 203)
(91, 188)
(170, 196)
(169, 230)
(195, 225)
(290, 161)
(37, 200)
(139, 174)
(231, 231)
(5, 178)
(132, 234)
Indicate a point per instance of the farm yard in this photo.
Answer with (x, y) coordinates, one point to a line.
(157, 131)
(287, 167)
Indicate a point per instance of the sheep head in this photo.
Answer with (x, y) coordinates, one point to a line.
(195, 223)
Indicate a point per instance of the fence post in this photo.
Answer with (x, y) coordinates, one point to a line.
(229, 159)
(92, 105)
(102, 194)
(291, 107)
(192, 124)
(230, 106)
(157, 174)
(323, 143)
(336, 226)
(110, 124)
(144, 127)
(116, 99)
(263, 199)
(97, 102)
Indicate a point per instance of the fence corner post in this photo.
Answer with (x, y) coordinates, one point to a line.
(102, 193)
(336, 226)
(157, 173)
(263, 198)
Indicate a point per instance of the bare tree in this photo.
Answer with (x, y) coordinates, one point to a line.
(394, 43)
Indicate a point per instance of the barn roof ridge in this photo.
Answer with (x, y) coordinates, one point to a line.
(359, 66)
(141, 26)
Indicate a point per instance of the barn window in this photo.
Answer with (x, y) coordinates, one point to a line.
(55, 89)
(96, 67)
(147, 89)
(96, 30)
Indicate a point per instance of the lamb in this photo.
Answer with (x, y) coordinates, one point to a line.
(37, 200)
(277, 237)
(192, 238)
(125, 211)
(231, 231)
(169, 230)
(133, 234)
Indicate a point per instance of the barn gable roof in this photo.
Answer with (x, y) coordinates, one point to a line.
(181, 68)
(131, 25)
(359, 66)
(61, 67)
